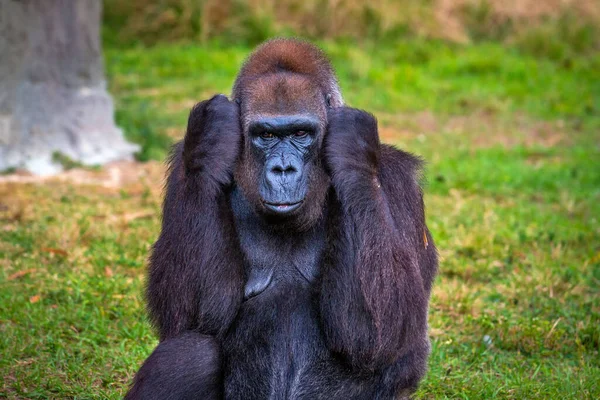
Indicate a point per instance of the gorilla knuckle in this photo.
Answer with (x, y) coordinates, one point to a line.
(217, 103)
(198, 107)
(221, 110)
(219, 98)
(213, 134)
(197, 113)
(361, 119)
(366, 120)
(348, 117)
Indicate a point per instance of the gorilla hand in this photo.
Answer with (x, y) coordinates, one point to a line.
(351, 145)
(212, 141)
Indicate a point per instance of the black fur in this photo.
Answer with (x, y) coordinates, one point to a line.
(334, 307)
(188, 365)
(193, 283)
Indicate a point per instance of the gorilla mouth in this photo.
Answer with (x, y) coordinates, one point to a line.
(282, 208)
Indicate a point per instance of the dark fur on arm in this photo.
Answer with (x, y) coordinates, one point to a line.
(400, 175)
(187, 367)
(195, 279)
(373, 298)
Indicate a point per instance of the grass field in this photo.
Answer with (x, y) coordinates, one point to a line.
(513, 200)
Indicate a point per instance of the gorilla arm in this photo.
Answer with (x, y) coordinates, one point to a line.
(195, 279)
(376, 278)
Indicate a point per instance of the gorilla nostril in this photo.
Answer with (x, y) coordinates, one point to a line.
(279, 170)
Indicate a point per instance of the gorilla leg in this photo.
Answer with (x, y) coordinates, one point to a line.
(185, 367)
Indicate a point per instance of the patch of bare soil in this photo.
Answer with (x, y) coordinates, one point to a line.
(487, 130)
(394, 127)
(478, 130)
(122, 174)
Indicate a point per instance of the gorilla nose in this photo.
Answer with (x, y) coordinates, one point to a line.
(282, 172)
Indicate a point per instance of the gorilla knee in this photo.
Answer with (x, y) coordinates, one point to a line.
(184, 367)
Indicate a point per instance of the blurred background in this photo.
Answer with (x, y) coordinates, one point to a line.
(500, 97)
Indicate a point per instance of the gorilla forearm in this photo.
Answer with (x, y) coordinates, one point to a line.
(373, 299)
(374, 302)
(184, 367)
(192, 282)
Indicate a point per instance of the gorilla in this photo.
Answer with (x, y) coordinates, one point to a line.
(294, 261)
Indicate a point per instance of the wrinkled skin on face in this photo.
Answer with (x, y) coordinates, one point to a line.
(280, 170)
(284, 144)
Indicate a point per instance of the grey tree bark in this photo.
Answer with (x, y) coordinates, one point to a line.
(53, 94)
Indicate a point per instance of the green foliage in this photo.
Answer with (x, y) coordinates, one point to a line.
(513, 201)
(143, 126)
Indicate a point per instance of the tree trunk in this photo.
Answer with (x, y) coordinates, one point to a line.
(53, 94)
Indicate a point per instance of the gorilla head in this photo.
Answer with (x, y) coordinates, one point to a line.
(284, 90)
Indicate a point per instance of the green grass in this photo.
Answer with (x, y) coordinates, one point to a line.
(513, 200)
(155, 88)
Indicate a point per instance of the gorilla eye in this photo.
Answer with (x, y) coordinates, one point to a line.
(266, 135)
(301, 133)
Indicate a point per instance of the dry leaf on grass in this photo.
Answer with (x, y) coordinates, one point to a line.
(20, 274)
(60, 252)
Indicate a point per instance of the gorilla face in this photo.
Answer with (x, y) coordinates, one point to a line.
(280, 170)
(285, 146)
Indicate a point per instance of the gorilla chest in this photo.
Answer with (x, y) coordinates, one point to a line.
(276, 259)
(275, 266)
(275, 344)
(275, 341)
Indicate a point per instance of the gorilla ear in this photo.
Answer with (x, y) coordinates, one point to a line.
(238, 101)
(328, 100)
